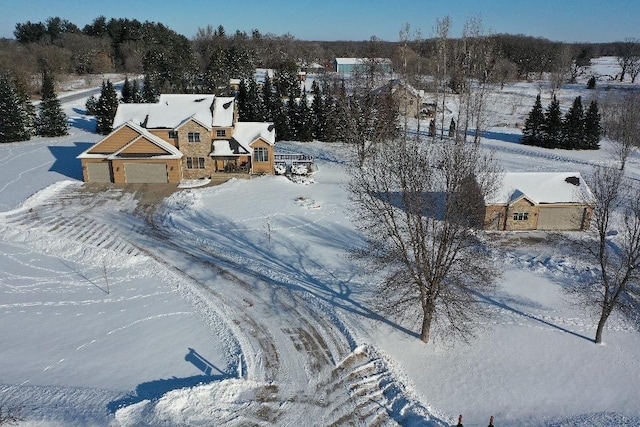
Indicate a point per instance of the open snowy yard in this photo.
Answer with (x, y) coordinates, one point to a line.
(238, 305)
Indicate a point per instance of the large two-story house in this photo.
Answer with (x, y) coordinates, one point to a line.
(181, 137)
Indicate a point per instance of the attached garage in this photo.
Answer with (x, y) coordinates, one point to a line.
(561, 218)
(145, 173)
(98, 172)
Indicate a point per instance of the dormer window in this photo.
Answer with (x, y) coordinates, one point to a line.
(221, 133)
(193, 136)
(173, 134)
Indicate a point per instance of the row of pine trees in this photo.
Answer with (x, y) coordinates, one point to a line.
(19, 119)
(288, 106)
(577, 130)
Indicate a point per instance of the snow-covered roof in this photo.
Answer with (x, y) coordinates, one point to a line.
(357, 61)
(223, 111)
(541, 188)
(169, 112)
(223, 148)
(248, 132)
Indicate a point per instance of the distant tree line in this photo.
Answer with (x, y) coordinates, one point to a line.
(577, 130)
(213, 56)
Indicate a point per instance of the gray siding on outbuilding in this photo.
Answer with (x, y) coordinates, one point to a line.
(561, 217)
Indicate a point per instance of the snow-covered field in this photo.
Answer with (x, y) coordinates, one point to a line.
(237, 305)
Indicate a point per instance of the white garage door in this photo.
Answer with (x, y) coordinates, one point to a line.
(141, 173)
(98, 172)
(564, 218)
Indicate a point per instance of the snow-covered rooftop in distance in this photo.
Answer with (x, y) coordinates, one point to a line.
(247, 132)
(356, 61)
(541, 188)
(169, 112)
(223, 110)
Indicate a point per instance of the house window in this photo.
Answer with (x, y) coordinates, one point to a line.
(521, 216)
(194, 136)
(261, 154)
(173, 134)
(221, 133)
(195, 162)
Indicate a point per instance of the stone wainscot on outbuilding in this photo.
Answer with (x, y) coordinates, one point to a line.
(539, 201)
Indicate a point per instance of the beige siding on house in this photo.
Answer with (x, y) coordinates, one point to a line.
(164, 135)
(143, 146)
(115, 142)
(263, 167)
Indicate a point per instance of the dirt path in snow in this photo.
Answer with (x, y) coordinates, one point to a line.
(291, 342)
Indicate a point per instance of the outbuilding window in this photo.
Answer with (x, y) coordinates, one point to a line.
(221, 133)
(521, 216)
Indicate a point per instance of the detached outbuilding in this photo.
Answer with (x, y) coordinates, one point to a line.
(559, 201)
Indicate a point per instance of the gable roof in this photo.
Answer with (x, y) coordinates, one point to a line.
(359, 61)
(223, 111)
(169, 112)
(540, 188)
(168, 151)
(247, 133)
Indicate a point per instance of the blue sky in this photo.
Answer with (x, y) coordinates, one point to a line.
(558, 20)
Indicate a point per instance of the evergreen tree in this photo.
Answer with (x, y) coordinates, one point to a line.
(319, 113)
(255, 103)
(269, 99)
(305, 124)
(127, 94)
(52, 121)
(592, 127)
(293, 113)
(341, 114)
(532, 133)
(281, 119)
(591, 83)
(552, 126)
(148, 91)
(25, 101)
(106, 108)
(136, 96)
(91, 105)
(244, 109)
(573, 126)
(14, 119)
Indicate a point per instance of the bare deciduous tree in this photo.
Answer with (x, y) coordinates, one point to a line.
(615, 248)
(622, 125)
(421, 209)
(443, 26)
(629, 57)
